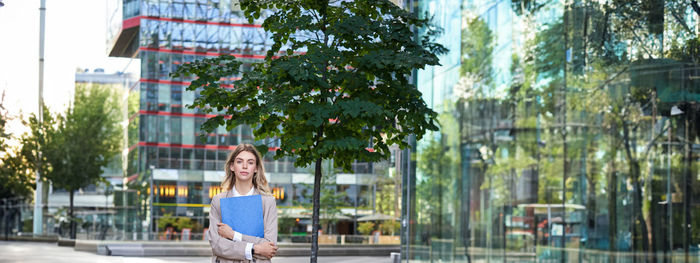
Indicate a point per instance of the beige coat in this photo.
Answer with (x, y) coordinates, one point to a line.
(225, 250)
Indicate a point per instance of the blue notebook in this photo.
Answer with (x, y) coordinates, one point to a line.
(244, 214)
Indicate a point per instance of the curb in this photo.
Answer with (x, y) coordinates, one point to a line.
(66, 242)
(203, 249)
(47, 239)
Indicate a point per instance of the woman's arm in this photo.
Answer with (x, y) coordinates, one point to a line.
(222, 247)
(270, 218)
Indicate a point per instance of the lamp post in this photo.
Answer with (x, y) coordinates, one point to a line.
(39, 192)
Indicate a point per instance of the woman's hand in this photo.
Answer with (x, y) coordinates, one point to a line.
(224, 230)
(265, 249)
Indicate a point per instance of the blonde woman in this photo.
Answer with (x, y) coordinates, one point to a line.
(245, 175)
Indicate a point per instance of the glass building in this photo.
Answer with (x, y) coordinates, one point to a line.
(569, 133)
(165, 147)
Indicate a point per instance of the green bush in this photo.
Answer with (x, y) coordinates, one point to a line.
(286, 225)
(177, 223)
(389, 227)
(27, 226)
(167, 220)
(366, 228)
(185, 222)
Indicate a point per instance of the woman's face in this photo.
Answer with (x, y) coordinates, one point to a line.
(244, 166)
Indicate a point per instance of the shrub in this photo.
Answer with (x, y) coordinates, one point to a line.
(365, 228)
(389, 227)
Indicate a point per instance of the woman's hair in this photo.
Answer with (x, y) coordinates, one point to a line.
(259, 179)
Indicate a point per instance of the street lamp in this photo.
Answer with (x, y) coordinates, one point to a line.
(39, 192)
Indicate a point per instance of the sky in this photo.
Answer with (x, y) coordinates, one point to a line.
(75, 37)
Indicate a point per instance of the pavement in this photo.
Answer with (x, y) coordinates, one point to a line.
(31, 252)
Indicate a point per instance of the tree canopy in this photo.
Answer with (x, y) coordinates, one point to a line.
(16, 179)
(335, 83)
(74, 147)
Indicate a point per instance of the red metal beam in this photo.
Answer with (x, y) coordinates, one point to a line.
(197, 21)
(199, 53)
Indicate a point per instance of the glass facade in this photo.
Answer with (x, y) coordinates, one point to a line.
(569, 133)
(186, 170)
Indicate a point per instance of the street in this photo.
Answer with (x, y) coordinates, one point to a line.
(30, 252)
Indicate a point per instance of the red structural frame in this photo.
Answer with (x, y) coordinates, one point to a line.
(197, 21)
(136, 21)
(183, 83)
(167, 113)
(191, 146)
(131, 22)
(199, 53)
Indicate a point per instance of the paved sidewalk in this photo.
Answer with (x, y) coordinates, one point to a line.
(31, 252)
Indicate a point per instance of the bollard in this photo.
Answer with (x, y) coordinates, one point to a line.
(395, 257)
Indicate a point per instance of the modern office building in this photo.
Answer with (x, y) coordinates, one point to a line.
(569, 134)
(185, 171)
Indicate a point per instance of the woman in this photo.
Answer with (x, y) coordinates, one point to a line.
(245, 175)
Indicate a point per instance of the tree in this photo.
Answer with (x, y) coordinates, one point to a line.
(334, 83)
(476, 76)
(84, 141)
(436, 175)
(388, 192)
(15, 177)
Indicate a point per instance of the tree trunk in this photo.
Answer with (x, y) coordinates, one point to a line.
(687, 191)
(591, 204)
(70, 214)
(7, 216)
(314, 220)
(465, 191)
(612, 211)
(635, 172)
(639, 216)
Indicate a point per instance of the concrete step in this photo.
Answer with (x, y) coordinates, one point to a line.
(201, 248)
(48, 239)
(62, 242)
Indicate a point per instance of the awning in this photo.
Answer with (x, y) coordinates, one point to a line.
(321, 216)
(376, 217)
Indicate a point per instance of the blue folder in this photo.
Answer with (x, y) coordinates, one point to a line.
(244, 214)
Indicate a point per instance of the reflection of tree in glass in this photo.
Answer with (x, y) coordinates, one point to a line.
(434, 185)
(476, 72)
(618, 58)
